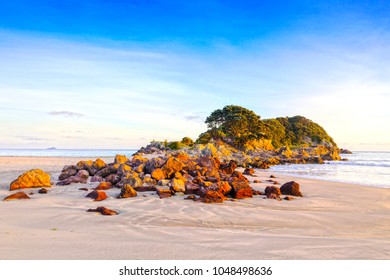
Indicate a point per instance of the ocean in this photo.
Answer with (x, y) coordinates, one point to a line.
(363, 168)
(87, 153)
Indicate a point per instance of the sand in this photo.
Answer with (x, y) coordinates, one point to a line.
(332, 221)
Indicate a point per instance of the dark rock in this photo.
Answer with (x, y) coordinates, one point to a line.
(153, 163)
(192, 188)
(275, 191)
(113, 179)
(97, 179)
(68, 171)
(190, 197)
(291, 188)
(272, 176)
(80, 177)
(83, 189)
(288, 198)
(256, 192)
(249, 171)
(229, 168)
(42, 191)
(104, 211)
(106, 171)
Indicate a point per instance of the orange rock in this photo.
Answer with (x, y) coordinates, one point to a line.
(172, 166)
(127, 191)
(178, 185)
(104, 186)
(121, 159)
(97, 195)
(18, 195)
(104, 211)
(213, 197)
(224, 187)
(35, 178)
(158, 174)
(138, 160)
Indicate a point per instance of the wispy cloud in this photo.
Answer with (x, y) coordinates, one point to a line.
(68, 114)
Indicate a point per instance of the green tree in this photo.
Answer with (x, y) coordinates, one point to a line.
(235, 124)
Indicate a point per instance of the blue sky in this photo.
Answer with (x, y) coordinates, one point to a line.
(118, 74)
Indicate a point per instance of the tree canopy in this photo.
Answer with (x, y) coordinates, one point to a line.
(239, 126)
(235, 124)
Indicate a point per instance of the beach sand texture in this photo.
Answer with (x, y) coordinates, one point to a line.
(331, 221)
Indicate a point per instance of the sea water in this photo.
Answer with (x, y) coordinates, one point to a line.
(363, 168)
(87, 153)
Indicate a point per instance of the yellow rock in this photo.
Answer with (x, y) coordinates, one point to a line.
(35, 178)
(121, 159)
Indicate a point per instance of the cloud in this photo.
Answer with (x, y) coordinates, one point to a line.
(194, 118)
(32, 138)
(67, 114)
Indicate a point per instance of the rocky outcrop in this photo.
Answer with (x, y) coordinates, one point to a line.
(291, 188)
(18, 195)
(35, 178)
(104, 211)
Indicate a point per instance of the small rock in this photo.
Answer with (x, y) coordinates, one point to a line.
(103, 186)
(190, 197)
(97, 195)
(288, 198)
(249, 171)
(42, 191)
(18, 195)
(83, 189)
(104, 211)
(256, 181)
(272, 176)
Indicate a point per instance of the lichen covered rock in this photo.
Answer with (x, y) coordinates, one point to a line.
(35, 178)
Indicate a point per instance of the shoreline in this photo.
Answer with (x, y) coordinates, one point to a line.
(332, 221)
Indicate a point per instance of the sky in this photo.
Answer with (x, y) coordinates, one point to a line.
(119, 74)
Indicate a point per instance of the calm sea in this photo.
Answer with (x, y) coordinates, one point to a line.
(363, 168)
(87, 153)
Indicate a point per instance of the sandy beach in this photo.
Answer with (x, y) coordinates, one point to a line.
(332, 221)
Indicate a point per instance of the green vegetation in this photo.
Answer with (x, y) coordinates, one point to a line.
(242, 128)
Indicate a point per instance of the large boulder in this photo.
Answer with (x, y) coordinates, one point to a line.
(138, 160)
(291, 188)
(18, 195)
(240, 188)
(35, 178)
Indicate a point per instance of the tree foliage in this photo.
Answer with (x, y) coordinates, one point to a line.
(240, 127)
(235, 124)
